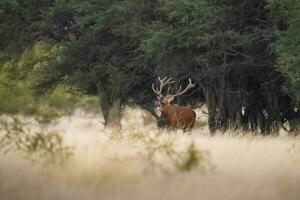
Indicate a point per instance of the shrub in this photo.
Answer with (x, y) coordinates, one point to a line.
(17, 99)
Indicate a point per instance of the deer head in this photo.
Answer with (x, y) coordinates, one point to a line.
(165, 100)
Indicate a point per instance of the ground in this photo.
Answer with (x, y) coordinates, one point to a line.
(142, 162)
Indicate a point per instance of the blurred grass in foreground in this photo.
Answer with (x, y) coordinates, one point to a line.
(158, 152)
(38, 147)
(143, 162)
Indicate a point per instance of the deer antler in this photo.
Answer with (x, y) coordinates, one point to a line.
(189, 86)
(162, 82)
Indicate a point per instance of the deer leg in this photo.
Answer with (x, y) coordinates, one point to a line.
(189, 128)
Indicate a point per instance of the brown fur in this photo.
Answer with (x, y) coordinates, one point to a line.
(178, 117)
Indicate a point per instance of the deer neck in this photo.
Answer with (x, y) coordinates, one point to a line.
(167, 110)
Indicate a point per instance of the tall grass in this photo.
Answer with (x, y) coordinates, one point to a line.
(38, 147)
(143, 162)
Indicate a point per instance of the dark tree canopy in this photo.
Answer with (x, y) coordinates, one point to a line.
(242, 55)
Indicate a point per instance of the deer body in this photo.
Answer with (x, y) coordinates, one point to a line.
(174, 117)
(178, 117)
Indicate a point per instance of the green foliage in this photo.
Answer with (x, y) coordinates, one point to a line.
(17, 99)
(21, 23)
(39, 147)
(20, 99)
(193, 21)
(158, 41)
(186, 24)
(287, 46)
(115, 49)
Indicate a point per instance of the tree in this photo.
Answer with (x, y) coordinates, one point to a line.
(115, 49)
(225, 47)
(287, 15)
(90, 54)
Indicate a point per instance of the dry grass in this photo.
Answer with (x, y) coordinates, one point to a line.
(142, 162)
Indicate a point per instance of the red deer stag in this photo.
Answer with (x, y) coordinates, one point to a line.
(175, 117)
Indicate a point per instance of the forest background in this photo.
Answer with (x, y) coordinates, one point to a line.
(244, 57)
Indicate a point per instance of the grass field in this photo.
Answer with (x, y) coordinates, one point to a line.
(142, 162)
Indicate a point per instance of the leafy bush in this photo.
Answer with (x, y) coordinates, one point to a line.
(17, 99)
(90, 104)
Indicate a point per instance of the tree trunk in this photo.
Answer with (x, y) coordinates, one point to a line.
(114, 116)
(111, 111)
(212, 112)
(150, 108)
